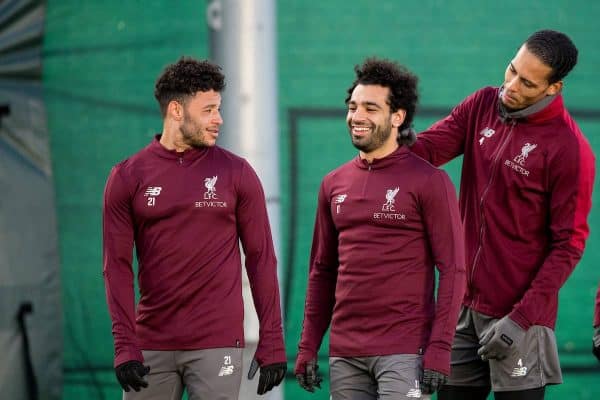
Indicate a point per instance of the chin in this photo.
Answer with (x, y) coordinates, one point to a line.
(511, 106)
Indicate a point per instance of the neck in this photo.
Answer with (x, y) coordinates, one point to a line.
(381, 152)
(172, 139)
(507, 113)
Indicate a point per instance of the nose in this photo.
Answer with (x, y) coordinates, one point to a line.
(218, 119)
(358, 115)
(512, 84)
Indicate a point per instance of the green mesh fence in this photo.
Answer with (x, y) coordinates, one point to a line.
(100, 63)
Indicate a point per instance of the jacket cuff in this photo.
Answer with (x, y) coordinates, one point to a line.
(517, 317)
(128, 354)
(301, 360)
(437, 359)
(270, 351)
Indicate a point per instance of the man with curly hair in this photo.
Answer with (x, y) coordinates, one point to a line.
(525, 196)
(385, 221)
(186, 204)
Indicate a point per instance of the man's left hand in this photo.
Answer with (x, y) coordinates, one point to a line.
(271, 375)
(501, 340)
(432, 381)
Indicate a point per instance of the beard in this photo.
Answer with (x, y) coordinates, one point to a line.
(379, 135)
(192, 133)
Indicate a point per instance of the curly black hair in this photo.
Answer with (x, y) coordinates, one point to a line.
(401, 82)
(556, 50)
(186, 77)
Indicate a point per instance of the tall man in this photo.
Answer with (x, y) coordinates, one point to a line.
(525, 195)
(186, 204)
(384, 220)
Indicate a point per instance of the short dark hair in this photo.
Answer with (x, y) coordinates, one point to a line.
(186, 77)
(401, 82)
(556, 50)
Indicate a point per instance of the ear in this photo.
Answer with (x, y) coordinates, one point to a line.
(175, 110)
(554, 88)
(398, 118)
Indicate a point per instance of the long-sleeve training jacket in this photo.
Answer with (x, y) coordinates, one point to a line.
(525, 196)
(186, 213)
(380, 229)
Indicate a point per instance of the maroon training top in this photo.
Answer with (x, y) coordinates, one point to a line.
(525, 195)
(186, 213)
(380, 229)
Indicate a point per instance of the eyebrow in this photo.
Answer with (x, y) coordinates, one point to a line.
(523, 79)
(366, 103)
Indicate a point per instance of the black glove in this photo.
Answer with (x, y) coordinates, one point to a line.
(432, 381)
(596, 339)
(501, 340)
(310, 378)
(130, 375)
(270, 375)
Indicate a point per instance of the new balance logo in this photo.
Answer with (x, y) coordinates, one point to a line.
(153, 191)
(519, 370)
(226, 370)
(416, 392)
(151, 194)
(486, 134)
(339, 199)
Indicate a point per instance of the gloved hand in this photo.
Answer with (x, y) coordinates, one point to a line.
(432, 381)
(596, 339)
(310, 379)
(501, 340)
(130, 375)
(270, 375)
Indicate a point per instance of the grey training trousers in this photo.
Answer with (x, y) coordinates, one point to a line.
(534, 363)
(211, 374)
(388, 377)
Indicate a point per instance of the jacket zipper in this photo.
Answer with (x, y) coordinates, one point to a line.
(366, 181)
(484, 194)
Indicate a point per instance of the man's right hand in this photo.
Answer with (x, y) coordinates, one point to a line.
(596, 339)
(432, 381)
(130, 375)
(310, 378)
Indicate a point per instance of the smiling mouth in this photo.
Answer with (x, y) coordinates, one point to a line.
(360, 130)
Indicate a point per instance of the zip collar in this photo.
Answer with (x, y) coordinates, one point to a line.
(398, 154)
(190, 154)
(545, 109)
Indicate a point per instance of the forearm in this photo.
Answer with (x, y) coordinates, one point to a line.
(265, 293)
(121, 306)
(318, 309)
(553, 273)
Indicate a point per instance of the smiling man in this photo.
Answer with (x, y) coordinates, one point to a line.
(186, 204)
(385, 220)
(525, 196)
